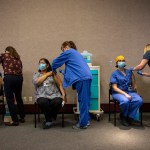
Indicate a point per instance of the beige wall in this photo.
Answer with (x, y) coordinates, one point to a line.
(106, 28)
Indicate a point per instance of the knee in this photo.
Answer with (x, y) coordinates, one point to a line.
(140, 101)
(125, 103)
(41, 101)
(58, 101)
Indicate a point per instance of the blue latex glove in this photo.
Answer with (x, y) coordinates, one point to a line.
(140, 73)
(55, 72)
(62, 71)
(131, 68)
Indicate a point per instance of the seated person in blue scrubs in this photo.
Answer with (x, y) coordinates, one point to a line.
(124, 91)
(49, 92)
(77, 73)
(144, 62)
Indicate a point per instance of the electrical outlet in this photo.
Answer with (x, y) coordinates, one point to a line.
(25, 99)
(30, 99)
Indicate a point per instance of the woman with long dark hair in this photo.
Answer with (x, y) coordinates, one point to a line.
(49, 93)
(13, 80)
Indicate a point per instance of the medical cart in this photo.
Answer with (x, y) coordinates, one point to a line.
(95, 94)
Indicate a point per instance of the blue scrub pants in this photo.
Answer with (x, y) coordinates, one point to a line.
(129, 107)
(84, 91)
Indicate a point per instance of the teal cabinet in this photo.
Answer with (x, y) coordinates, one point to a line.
(93, 104)
(95, 94)
(95, 89)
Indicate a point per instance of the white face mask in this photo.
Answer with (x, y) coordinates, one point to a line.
(121, 64)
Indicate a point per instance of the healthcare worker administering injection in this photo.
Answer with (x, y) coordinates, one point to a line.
(77, 73)
(144, 62)
(124, 91)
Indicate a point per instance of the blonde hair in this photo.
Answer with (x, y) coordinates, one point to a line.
(146, 48)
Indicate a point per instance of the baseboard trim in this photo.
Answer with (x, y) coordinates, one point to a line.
(68, 108)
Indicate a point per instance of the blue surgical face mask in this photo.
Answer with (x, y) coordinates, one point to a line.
(121, 64)
(42, 67)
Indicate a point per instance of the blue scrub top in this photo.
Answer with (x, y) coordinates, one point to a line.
(147, 56)
(123, 82)
(76, 69)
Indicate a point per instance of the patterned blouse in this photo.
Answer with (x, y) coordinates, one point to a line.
(48, 89)
(11, 65)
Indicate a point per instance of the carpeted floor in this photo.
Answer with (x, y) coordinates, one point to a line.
(100, 135)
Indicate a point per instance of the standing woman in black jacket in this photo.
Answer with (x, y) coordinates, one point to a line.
(13, 80)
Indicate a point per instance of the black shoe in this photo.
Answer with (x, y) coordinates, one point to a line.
(121, 116)
(22, 120)
(47, 126)
(125, 122)
(77, 126)
(129, 120)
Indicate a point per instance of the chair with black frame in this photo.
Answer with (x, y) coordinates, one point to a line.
(115, 103)
(37, 111)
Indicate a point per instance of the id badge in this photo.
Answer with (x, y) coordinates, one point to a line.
(45, 84)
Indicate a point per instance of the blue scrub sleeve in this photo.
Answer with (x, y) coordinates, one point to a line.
(113, 79)
(60, 60)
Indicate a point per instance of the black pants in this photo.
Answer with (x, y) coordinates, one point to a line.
(13, 91)
(49, 107)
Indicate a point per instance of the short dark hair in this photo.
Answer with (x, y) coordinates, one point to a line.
(71, 44)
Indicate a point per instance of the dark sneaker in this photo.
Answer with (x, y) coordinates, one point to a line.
(88, 124)
(125, 122)
(47, 125)
(77, 126)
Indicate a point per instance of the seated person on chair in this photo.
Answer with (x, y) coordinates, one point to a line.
(49, 92)
(124, 91)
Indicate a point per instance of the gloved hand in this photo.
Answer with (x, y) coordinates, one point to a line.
(131, 68)
(62, 71)
(55, 72)
(140, 73)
